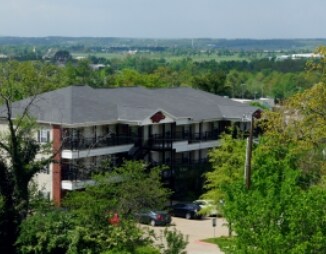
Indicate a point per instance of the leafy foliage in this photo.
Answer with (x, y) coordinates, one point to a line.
(302, 121)
(83, 227)
(175, 242)
(276, 215)
(284, 210)
(228, 165)
(61, 231)
(18, 163)
(126, 189)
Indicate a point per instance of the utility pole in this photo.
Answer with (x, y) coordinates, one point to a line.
(249, 154)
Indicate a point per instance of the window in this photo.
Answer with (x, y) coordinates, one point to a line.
(43, 136)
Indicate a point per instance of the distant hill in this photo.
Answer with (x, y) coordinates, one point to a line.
(199, 43)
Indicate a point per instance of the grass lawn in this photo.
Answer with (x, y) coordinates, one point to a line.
(226, 244)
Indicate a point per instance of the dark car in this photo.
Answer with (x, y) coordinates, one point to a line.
(153, 218)
(188, 210)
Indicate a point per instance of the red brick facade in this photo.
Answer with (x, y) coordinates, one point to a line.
(56, 169)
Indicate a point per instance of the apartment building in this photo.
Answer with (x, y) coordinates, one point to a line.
(98, 128)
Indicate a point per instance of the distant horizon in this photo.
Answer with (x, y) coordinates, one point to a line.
(166, 38)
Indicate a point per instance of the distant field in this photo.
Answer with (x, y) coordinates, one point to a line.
(170, 57)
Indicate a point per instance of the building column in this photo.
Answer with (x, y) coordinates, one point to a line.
(56, 168)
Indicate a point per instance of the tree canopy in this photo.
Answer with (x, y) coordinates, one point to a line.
(284, 209)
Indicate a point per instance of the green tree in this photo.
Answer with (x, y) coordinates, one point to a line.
(18, 163)
(284, 210)
(62, 56)
(211, 82)
(83, 225)
(61, 231)
(302, 121)
(129, 77)
(126, 189)
(277, 215)
(228, 165)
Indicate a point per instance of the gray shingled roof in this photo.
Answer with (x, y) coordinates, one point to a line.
(85, 105)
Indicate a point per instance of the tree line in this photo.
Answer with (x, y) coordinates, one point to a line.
(240, 79)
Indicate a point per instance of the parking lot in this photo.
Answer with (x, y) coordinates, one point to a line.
(197, 230)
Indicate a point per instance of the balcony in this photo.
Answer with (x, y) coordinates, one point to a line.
(160, 142)
(74, 148)
(204, 136)
(187, 136)
(75, 177)
(190, 162)
(83, 143)
(73, 172)
(184, 141)
(178, 167)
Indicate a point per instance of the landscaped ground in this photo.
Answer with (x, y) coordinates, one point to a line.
(197, 230)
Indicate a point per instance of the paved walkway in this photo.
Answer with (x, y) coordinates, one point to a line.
(198, 230)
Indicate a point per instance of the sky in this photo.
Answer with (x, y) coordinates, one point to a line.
(230, 19)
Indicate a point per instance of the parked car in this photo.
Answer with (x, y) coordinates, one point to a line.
(207, 206)
(187, 210)
(153, 218)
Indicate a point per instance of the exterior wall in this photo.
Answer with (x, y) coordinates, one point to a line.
(44, 182)
(44, 178)
(167, 119)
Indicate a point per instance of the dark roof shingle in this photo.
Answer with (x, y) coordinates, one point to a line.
(85, 105)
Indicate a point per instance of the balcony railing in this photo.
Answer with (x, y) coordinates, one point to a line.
(180, 162)
(160, 142)
(204, 136)
(73, 173)
(98, 142)
(178, 166)
(165, 141)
